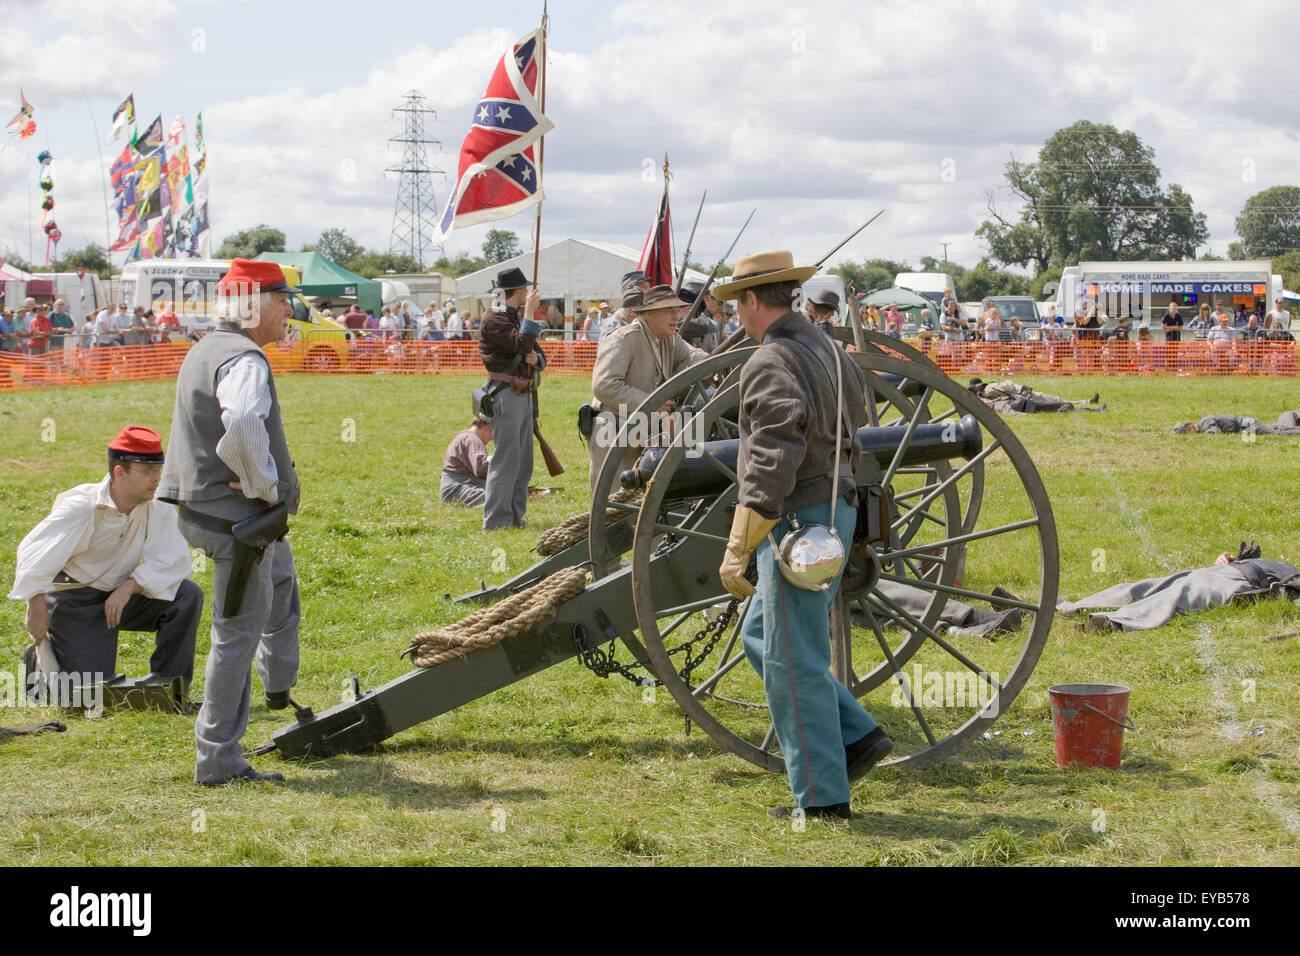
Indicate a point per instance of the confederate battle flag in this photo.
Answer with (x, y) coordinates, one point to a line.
(498, 174)
(657, 254)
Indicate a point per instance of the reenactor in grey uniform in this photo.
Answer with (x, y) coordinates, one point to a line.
(632, 362)
(231, 473)
(791, 410)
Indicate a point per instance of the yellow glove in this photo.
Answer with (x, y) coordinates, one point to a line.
(748, 529)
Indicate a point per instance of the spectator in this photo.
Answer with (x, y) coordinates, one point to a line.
(372, 321)
(927, 323)
(1279, 318)
(354, 318)
(10, 340)
(388, 324)
(1241, 318)
(455, 324)
(1221, 338)
(60, 319)
(38, 330)
(137, 332)
(873, 318)
(893, 321)
(1202, 322)
(590, 330)
(434, 325)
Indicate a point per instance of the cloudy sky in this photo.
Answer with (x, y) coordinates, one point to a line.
(815, 114)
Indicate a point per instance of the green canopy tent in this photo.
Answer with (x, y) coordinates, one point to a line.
(318, 276)
(909, 303)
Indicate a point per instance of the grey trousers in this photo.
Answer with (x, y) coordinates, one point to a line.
(511, 468)
(264, 631)
(85, 644)
(462, 489)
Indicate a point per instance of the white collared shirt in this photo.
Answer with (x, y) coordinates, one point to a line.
(86, 537)
(244, 394)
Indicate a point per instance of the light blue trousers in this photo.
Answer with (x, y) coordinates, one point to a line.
(786, 636)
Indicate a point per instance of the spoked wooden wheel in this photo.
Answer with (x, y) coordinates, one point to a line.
(951, 688)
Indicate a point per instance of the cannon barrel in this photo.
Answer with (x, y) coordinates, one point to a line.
(697, 475)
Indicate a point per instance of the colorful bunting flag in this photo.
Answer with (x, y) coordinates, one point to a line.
(123, 117)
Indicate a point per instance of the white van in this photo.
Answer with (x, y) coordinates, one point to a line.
(932, 285)
(189, 286)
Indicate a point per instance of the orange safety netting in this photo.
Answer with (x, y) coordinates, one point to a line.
(90, 366)
(127, 363)
(1113, 357)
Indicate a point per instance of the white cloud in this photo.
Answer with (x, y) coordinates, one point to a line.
(817, 115)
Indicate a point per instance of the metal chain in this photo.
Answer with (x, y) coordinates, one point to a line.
(603, 664)
(713, 630)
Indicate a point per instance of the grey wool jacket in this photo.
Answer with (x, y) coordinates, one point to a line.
(788, 420)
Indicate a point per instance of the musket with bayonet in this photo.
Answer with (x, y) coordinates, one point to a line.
(686, 259)
(858, 339)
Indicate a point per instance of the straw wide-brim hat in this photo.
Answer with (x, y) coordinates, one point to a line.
(762, 268)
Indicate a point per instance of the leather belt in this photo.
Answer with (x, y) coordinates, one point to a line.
(205, 521)
(514, 381)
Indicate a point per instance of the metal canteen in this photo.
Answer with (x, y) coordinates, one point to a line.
(811, 557)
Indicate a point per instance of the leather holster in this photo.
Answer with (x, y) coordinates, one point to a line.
(252, 537)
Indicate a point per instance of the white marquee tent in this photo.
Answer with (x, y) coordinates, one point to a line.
(570, 269)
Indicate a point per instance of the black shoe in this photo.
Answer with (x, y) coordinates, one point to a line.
(837, 811)
(277, 700)
(247, 775)
(1096, 397)
(861, 755)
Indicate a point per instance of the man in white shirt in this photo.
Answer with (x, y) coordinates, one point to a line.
(1279, 319)
(109, 557)
(455, 324)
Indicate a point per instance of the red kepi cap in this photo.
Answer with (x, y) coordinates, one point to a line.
(136, 443)
(248, 276)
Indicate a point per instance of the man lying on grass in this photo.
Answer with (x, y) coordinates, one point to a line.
(1142, 605)
(1288, 423)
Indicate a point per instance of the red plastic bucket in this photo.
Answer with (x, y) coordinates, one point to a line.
(1088, 721)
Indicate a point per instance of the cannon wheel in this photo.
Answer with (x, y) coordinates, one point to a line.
(728, 702)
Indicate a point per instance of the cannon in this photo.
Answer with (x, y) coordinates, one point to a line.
(966, 510)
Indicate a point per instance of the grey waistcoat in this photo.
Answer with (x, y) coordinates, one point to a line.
(193, 474)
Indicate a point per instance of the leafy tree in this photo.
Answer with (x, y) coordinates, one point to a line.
(500, 245)
(1094, 193)
(1269, 224)
(985, 279)
(92, 259)
(251, 243)
(463, 264)
(372, 265)
(338, 246)
(871, 274)
(17, 261)
(1287, 266)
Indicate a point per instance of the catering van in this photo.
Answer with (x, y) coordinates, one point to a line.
(189, 286)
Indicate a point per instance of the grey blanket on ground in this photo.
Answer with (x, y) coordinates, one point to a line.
(1156, 601)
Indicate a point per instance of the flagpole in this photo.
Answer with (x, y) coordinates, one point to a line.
(541, 153)
(103, 182)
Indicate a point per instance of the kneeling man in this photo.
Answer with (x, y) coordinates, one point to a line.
(465, 465)
(108, 558)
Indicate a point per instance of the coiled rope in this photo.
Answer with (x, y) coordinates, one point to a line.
(572, 530)
(491, 625)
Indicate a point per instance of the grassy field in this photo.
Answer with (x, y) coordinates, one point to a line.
(567, 768)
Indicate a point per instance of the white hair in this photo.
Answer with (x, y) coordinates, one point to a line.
(242, 307)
